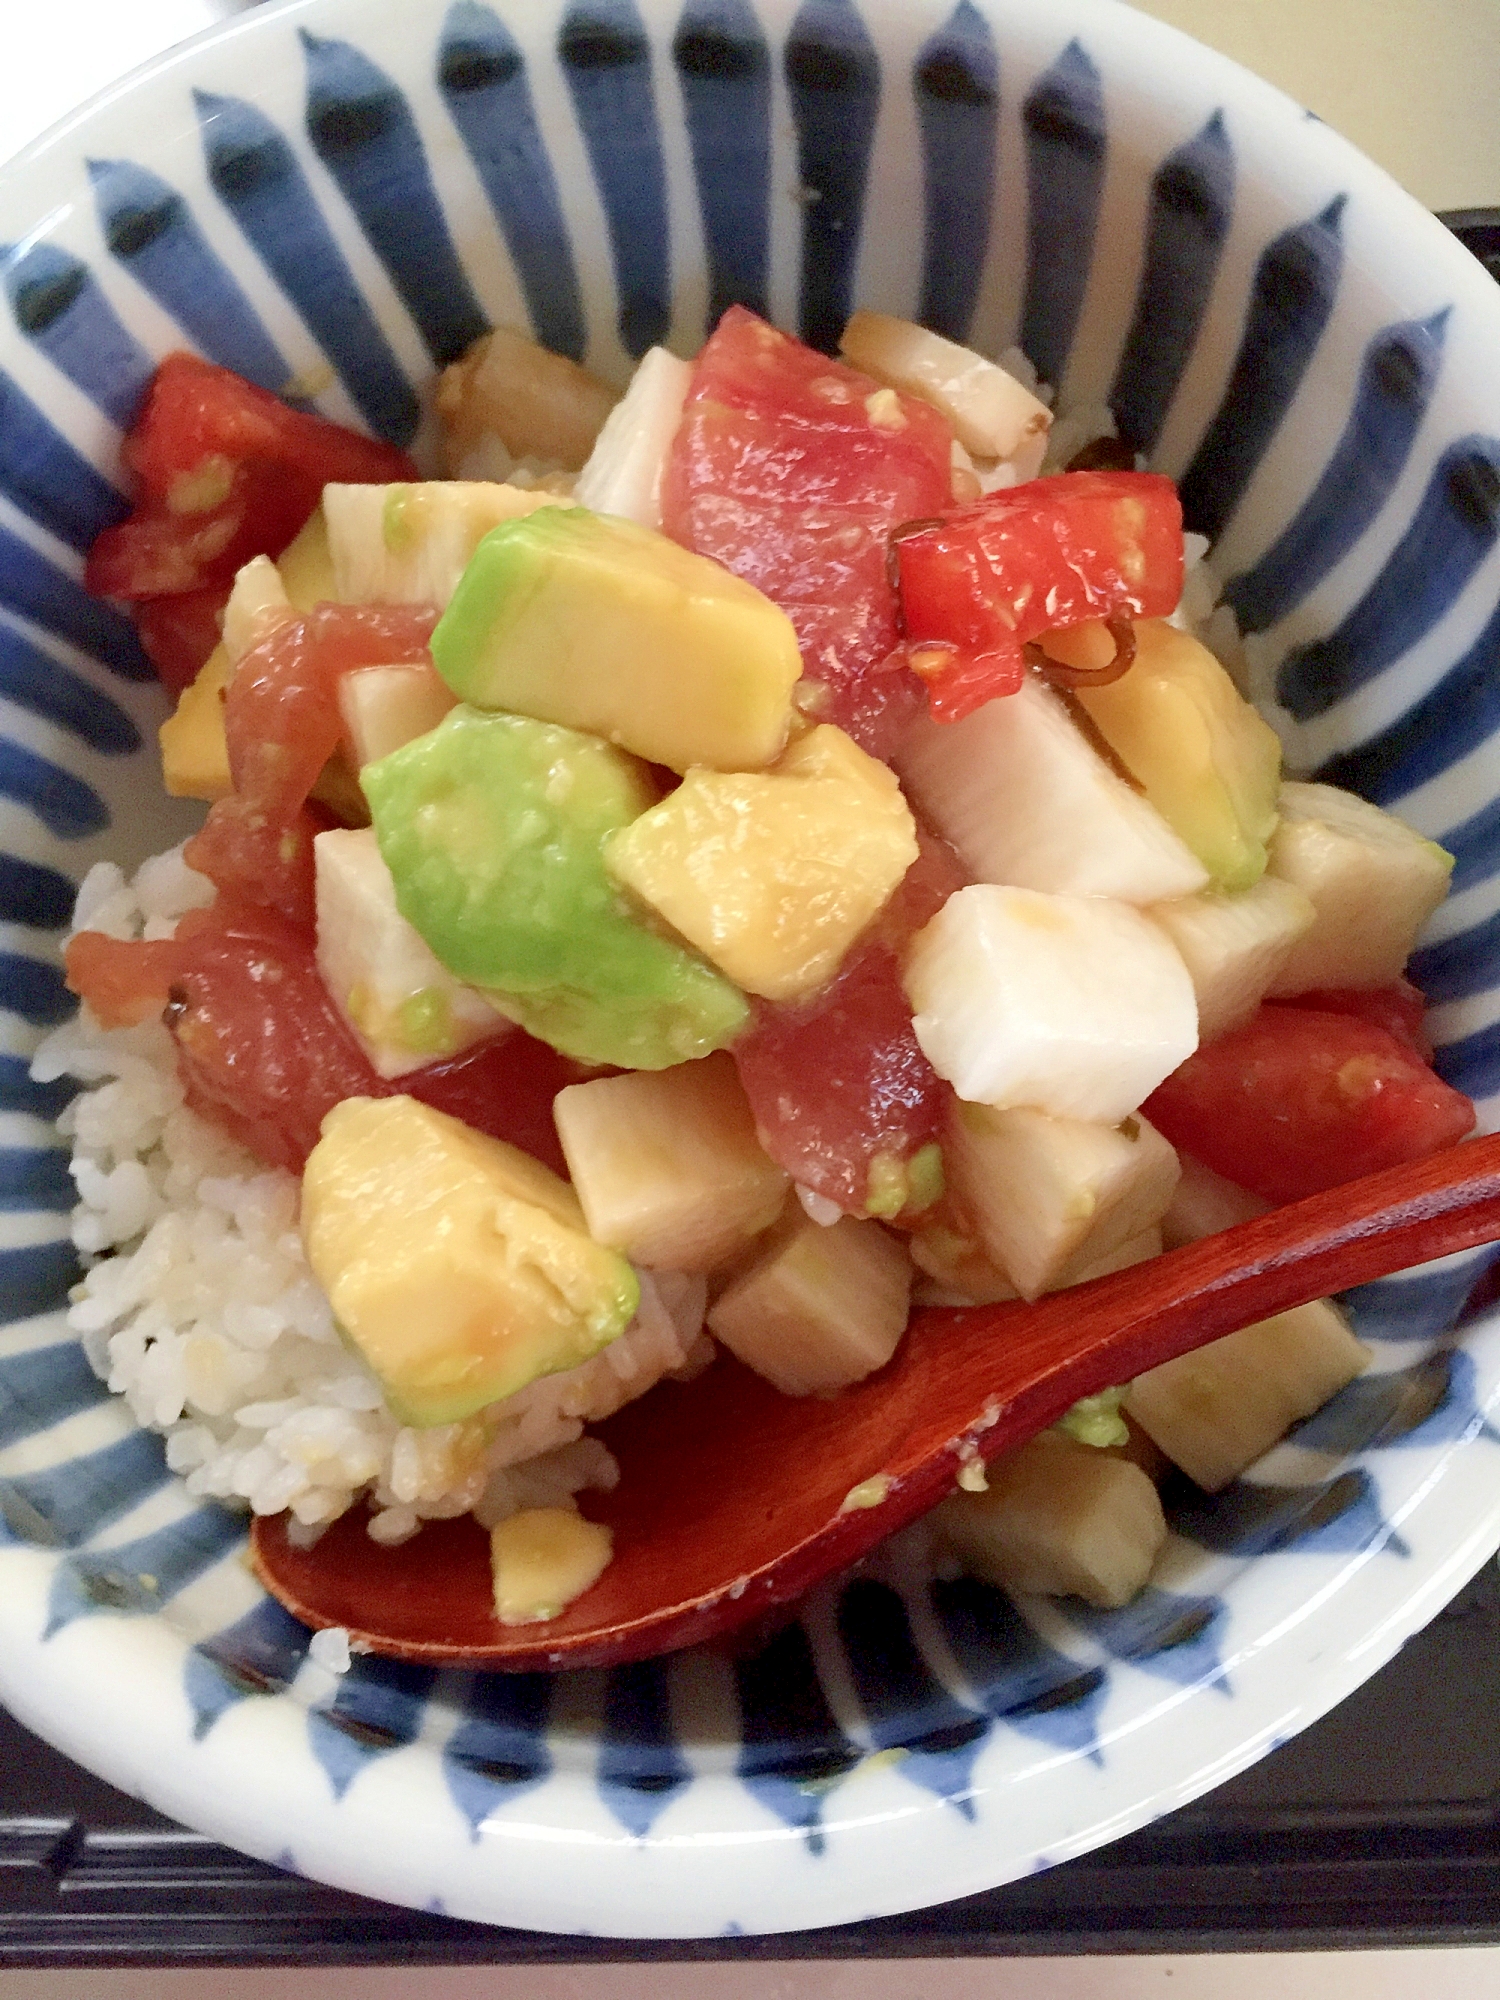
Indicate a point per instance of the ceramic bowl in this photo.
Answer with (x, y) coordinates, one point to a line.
(335, 197)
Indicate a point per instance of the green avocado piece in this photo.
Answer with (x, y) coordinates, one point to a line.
(601, 625)
(457, 1267)
(1204, 758)
(492, 826)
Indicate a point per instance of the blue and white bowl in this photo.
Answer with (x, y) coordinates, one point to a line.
(335, 197)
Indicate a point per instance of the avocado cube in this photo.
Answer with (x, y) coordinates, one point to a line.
(541, 1559)
(1204, 758)
(456, 1265)
(774, 874)
(580, 619)
(493, 827)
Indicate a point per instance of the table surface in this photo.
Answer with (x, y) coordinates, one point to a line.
(1416, 84)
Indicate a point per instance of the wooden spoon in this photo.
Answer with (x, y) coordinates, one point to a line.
(734, 1498)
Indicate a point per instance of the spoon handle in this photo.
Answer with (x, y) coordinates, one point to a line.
(1074, 1343)
(733, 1498)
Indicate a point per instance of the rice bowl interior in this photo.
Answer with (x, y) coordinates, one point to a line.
(255, 1771)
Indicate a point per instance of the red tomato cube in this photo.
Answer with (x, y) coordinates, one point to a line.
(1299, 1100)
(982, 582)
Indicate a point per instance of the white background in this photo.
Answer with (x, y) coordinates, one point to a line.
(1416, 83)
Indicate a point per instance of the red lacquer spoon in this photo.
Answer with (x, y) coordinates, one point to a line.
(732, 1497)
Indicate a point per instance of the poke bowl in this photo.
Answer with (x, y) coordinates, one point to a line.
(336, 199)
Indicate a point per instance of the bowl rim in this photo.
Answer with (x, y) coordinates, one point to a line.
(1151, 44)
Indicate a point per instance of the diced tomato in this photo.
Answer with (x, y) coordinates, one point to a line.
(282, 723)
(265, 1055)
(227, 472)
(196, 411)
(218, 517)
(1400, 1010)
(180, 632)
(1299, 1100)
(792, 470)
(979, 584)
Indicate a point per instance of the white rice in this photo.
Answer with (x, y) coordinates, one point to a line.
(199, 1308)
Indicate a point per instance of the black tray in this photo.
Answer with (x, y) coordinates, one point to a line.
(1378, 1826)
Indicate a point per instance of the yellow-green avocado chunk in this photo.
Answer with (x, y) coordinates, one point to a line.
(1209, 764)
(601, 625)
(457, 1266)
(493, 828)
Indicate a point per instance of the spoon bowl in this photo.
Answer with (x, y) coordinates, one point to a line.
(735, 1499)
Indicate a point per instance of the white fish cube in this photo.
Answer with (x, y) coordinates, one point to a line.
(1373, 881)
(992, 414)
(1135, 1250)
(258, 605)
(1234, 946)
(1204, 1203)
(818, 1308)
(1027, 800)
(667, 1165)
(403, 1006)
(1061, 1519)
(409, 544)
(1070, 1004)
(624, 470)
(1214, 1412)
(384, 707)
(1053, 1198)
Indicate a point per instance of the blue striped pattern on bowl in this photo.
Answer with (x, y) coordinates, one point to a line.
(335, 199)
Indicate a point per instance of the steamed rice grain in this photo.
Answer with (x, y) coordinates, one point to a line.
(198, 1306)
